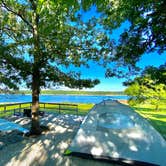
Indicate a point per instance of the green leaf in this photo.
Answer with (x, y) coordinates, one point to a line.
(67, 152)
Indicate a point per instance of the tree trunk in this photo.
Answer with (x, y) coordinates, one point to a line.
(157, 107)
(35, 123)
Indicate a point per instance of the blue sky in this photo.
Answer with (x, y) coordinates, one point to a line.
(115, 84)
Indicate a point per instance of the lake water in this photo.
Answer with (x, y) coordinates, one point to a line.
(58, 98)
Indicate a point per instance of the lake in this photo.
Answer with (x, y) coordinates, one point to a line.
(58, 98)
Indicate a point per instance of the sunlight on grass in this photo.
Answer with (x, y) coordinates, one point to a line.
(161, 115)
(83, 109)
(156, 118)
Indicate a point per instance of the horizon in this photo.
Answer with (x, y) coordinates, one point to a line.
(74, 90)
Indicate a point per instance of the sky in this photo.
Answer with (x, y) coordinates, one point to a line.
(115, 84)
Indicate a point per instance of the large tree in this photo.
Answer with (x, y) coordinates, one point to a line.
(42, 39)
(149, 87)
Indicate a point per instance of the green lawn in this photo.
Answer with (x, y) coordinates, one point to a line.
(83, 109)
(156, 118)
(9, 110)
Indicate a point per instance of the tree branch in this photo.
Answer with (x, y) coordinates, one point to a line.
(16, 13)
(12, 29)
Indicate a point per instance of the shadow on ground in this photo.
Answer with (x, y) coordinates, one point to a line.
(48, 148)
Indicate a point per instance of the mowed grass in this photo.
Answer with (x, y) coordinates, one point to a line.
(83, 109)
(156, 118)
(8, 110)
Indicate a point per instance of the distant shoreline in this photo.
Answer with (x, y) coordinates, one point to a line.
(69, 94)
(123, 101)
(73, 93)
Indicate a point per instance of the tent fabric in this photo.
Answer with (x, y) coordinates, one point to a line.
(6, 125)
(115, 132)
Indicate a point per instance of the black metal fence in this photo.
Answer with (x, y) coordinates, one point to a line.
(18, 108)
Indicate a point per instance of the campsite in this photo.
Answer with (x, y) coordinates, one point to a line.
(82, 82)
(60, 143)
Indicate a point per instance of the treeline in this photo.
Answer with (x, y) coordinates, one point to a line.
(72, 92)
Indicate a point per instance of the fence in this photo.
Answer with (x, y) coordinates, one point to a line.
(60, 107)
(8, 109)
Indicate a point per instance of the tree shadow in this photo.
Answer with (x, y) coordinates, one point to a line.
(48, 148)
(159, 125)
(143, 109)
(155, 119)
(147, 109)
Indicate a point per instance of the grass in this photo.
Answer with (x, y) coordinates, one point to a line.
(156, 118)
(9, 110)
(83, 109)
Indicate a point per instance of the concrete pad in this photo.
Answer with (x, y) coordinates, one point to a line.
(114, 131)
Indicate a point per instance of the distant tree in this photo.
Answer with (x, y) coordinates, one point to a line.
(149, 87)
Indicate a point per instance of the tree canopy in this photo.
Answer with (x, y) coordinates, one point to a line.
(62, 39)
(145, 33)
(8, 77)
(41, 39)
(90, 41)
(149, 87)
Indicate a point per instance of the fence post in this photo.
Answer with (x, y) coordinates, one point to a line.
(19, 107)
(77, 109)
(5, 109)
(59, 108)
